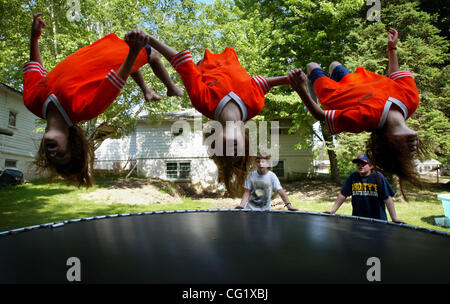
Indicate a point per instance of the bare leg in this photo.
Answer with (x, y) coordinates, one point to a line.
(311, 66)
(333, 65)
(136, 40)
(149, 95)
(160, 71)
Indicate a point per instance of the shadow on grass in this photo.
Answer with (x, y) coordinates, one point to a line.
(430, 220)
(42, 202)
(24, 203)
(12, 195)
(428, 193)
(120, 182)
(178, 189)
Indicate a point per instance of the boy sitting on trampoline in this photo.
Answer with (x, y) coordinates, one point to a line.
(365, 101)
(81, 87)
(222, 90)
(259, 186)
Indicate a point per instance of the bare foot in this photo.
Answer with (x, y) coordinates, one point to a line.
(174, 91)
(151, 96)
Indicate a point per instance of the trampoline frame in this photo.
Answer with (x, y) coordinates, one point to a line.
(60, 224)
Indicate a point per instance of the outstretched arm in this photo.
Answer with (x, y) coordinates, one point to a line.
(36, 30)
(244, 200)
(339, 201)
(136, 40)
(277, 81)
(297, 79)
(392, 51)
(391, 208)
(162, 48)
(286, 201)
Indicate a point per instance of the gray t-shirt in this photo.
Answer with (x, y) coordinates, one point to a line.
(261, 188)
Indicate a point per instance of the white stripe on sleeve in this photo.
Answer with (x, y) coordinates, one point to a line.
(118, 78)
(400, 74)
(329, 119)
(34, 66)
(181, 58)
(262, 83)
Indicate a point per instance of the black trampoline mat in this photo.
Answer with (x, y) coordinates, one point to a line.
(226, 247)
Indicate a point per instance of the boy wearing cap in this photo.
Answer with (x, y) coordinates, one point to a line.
(260, 185)
(370, 191)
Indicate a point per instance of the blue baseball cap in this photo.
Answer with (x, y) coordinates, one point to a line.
(361, 157)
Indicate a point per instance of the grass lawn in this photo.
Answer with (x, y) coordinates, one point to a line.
(416, 213)
(41, 202)
(420, 210)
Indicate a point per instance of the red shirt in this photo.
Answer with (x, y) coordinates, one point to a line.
(83, 85)
(361, 100)
(218, 79)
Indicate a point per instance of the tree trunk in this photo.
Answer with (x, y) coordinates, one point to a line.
(55, 45)
(92, 127)
(334, 170)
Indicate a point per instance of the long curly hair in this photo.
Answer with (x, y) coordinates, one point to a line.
(78, 171)
(392, 156)
(233, 170)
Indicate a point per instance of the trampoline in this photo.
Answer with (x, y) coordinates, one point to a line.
(224, 247)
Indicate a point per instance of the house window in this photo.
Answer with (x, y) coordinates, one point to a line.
(12, 118)
(279, 169)
(178, 170)
(10, 163)
(177, 132)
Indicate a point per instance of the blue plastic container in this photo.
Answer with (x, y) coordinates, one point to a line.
(445, 198)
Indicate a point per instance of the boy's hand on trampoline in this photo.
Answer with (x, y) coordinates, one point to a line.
(37, 26)
(398, 221)
(239, 207)
(137, 39)
(392, 38)
(297, 79)
(290, 208)
(328, 212)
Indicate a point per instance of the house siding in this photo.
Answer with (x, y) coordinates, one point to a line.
(158, 146)
(25, 124)
(297, 163)
(22, 146)
(153, 145)
(116, 152)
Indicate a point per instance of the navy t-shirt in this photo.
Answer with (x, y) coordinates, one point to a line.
(365, 193)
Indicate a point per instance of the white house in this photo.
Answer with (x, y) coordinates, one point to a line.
(19, 141)
(428, 166)
(322, 166)
(160, 150)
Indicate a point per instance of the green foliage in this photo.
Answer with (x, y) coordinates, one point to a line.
(42, 202)
(323, 31)
(62, 37)
(350, 145)
(300, 32)
(270, 36)
(420, 50)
